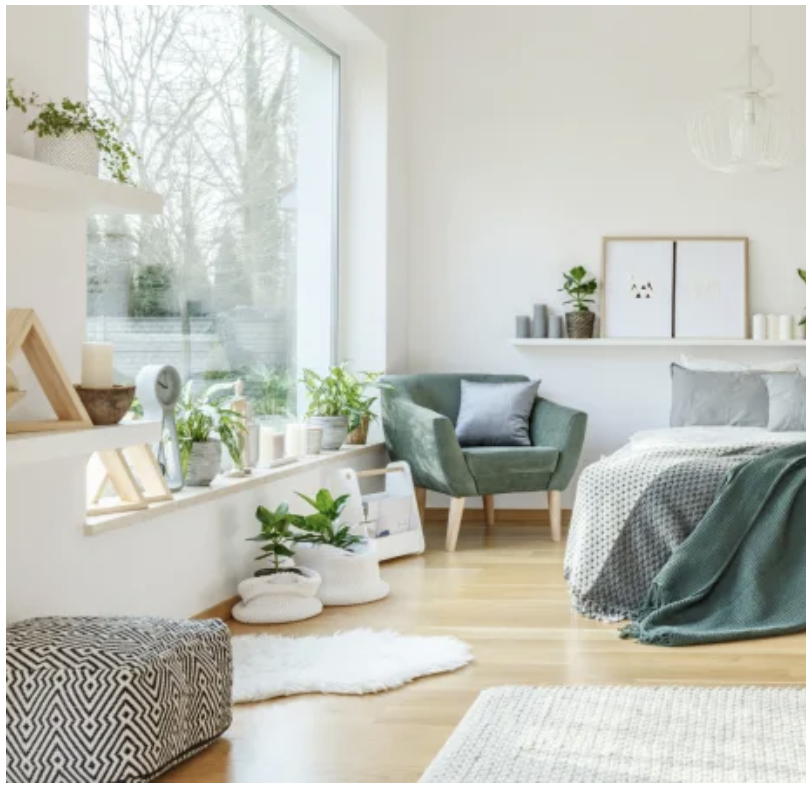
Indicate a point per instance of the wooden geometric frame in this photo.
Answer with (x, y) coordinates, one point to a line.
(24, 332)
(136, 477)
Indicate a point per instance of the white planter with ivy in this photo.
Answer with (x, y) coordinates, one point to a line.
(349, 576)
(282, 597)
(78, 152)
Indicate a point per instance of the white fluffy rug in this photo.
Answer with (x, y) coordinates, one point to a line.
(362, 661)
(620, 735)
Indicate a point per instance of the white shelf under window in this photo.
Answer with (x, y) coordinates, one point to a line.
(38, 447)
(41, 187)
(578, 344)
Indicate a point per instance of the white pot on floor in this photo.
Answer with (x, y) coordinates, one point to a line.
(278, 598)
(347, 577)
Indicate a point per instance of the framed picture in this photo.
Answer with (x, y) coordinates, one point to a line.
(685, 288)
(637, 288)
(711, 297)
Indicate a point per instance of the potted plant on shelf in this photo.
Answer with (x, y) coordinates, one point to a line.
(283, 592)
(339, 404)
(362, 415)
(70, 134)
(345, 560)
(580, 290)
(203, 423)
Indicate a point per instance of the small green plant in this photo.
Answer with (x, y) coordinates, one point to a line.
(275, 536)
(802, 274)
(202, 418)
(322, 527)
(579, 288)
(342, 393)
(76, 117)
(15, 100)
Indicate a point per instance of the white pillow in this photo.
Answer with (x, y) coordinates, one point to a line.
(709, 365)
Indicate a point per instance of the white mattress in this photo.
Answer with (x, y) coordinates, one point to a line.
(701, 436)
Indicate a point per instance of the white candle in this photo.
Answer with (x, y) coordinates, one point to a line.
(96, 365)
(759, 327)
(786, 327)
(271, 447)
(772, 326)
(294, 439)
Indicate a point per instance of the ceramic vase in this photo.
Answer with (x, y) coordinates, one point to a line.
(204, 463)
(334, 430)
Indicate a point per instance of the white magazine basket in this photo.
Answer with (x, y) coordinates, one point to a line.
(393, 515)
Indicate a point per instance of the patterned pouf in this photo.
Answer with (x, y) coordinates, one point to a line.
(112, 699)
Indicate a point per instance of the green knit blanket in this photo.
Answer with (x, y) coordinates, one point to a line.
(742, 573)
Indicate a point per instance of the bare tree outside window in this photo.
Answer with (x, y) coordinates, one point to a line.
(210, 98)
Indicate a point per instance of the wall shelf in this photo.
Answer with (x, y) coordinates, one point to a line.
(577, 344)
(38, 447)
(35, 186)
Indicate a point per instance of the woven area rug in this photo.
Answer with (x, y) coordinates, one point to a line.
(601, 735)
(361, 661)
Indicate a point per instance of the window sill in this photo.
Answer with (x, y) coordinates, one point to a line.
(223, 487)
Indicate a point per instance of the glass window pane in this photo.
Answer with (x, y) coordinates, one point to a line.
(234, 116)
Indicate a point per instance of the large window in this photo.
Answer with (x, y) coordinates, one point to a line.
(234, 114)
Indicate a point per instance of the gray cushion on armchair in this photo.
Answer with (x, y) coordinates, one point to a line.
(495, 414)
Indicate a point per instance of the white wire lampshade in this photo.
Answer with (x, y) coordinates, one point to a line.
(748, 128)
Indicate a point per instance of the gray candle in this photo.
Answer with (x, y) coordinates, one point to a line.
(522, 327)
(540, 321)
(556, 326)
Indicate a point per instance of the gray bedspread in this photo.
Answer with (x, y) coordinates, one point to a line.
(632, 510)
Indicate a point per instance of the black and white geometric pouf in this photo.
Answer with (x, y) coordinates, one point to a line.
(105, 700)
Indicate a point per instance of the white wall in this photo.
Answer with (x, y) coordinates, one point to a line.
(176, 564)
(533, 132)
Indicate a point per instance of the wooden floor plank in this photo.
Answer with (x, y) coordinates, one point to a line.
(503, 592)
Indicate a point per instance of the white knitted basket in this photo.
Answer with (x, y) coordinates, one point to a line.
(278, 598)
(347, 577)
(78, 152)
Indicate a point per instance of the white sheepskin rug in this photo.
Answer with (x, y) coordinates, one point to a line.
(362, 661)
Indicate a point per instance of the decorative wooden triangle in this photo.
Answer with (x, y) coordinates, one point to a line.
(24, 332)
(135, 476)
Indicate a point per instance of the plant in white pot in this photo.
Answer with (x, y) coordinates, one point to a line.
(338, 403)
(346, 562)
(283, 592)
(203, 423)
(71, 135)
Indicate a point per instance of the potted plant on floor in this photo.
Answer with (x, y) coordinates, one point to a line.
(580, 290)
(346, 561)
(282, 592)
(203, 423)
(70, 134)
(338, 403)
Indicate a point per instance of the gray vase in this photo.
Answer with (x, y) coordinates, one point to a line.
(334, 430)
(204, 463)
(579, 325)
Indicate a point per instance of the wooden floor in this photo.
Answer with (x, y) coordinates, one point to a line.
(502, 592)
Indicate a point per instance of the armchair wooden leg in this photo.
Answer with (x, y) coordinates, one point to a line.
(420, 493)
(556, 515)
(489, 509)
(454, 522)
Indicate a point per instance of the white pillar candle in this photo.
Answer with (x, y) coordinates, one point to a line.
(271, 448)
(772, 326)
(294, 440)
(97, 360)
(786, 327)
(759, 327)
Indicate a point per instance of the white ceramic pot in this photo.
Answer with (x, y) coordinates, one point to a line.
(347, 577)
(204, 463)
(334, 430)
(78, 152)
(278, 598)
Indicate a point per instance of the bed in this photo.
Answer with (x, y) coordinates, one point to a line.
(634, 507)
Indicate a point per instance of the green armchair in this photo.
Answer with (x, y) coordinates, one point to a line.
(419, 415)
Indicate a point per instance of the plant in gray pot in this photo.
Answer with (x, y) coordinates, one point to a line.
(203, 423)
(580, 290)
(339, 404)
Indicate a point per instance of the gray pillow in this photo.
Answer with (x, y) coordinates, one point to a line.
(787, 402)
(718, 398)
(495, 413)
